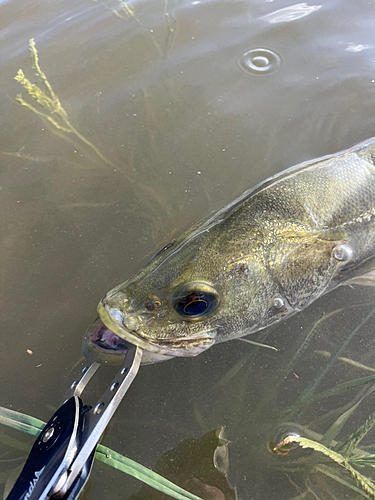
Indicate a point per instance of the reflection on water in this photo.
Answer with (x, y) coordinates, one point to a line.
(291, 13)
(199, 465)
(156, 87)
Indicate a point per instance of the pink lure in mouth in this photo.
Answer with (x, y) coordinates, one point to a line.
(104, 339)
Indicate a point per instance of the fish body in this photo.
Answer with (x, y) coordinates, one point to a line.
(262, 258)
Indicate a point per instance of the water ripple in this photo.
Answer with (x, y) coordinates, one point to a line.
(259, 61)
(291, 13)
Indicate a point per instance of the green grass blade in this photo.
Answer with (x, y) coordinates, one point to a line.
(332, 432)
(258, 344)
(341, 421)
(330, 362)
(333, 391)
(10, 442)
(21, 422)
(339, 478)
(365, 460)
(142, 473)
(307, 341)
(357, 436)
(33, 426)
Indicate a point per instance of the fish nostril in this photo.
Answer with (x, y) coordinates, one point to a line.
(113, 303)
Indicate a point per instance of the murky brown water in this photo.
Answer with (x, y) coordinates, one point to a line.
(185, 104)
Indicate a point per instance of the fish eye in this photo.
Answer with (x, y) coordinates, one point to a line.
(195, 300)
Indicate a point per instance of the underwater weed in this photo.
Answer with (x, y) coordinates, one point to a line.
(52, 113)
(356, 437)
(347, 361)
(308, 395)
(126, 12)
(361, 481)
(33, 426)
(307, 340)
(171, 24)
(44, 103)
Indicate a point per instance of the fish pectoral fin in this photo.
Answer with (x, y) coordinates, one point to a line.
(300, 254)
(304, 267)
(367, 279)
(301, 232)
(333, 235)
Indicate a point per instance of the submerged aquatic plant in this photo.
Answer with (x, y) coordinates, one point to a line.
(33, 426)
(315, 381)
(51, 111)
(123, 10)
(361, 459)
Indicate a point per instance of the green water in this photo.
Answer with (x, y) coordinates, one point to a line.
(187, 104)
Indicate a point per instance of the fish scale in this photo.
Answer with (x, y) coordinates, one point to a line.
(262, 258)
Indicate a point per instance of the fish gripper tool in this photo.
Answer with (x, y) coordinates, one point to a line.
(61, 458)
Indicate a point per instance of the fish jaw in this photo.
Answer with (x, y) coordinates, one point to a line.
(103, 346)
(113, 319)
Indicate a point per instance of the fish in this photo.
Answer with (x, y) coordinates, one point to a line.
(259, 260)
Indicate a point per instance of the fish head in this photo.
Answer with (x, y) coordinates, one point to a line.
(195, 292)
(170, 307)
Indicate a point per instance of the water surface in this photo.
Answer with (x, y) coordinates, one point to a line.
(187, 104)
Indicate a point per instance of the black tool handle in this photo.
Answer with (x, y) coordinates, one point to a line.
(51, 454)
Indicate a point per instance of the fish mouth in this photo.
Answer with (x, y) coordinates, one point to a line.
(106, 340)
(114, 334)
(102, 345)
